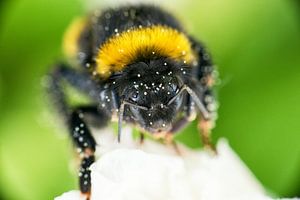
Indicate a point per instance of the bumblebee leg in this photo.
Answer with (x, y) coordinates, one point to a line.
(85, 176)
(205, 75)
(206, 112)
(207, 108)
(190, 114)
(142, 138)
(95, 116)
(176, 148)
(205, 127)
(180, 124)
(168, 139)
(79, 80)
(75, 118)
(84, 141)
(86, 145)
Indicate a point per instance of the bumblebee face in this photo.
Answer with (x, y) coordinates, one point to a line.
(151, 108)
(153, 97)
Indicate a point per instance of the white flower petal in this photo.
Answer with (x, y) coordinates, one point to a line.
(135, 174)
(71, 195)
(128, 171)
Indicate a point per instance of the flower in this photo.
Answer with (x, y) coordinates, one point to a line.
(152, 171)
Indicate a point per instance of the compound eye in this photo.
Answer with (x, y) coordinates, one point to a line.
(134, 97)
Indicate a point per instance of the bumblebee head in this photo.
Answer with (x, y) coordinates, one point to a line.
(150, 103)
(150, 95)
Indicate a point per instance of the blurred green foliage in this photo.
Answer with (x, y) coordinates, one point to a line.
(256, 45)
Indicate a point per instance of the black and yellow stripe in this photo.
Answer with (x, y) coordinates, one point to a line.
(142, 43)
(131, 46)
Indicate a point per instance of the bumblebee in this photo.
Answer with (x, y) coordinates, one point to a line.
(137, 65)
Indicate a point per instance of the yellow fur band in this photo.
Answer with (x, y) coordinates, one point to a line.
(148, 42)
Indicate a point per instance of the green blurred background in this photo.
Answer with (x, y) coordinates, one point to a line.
(255, 43)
